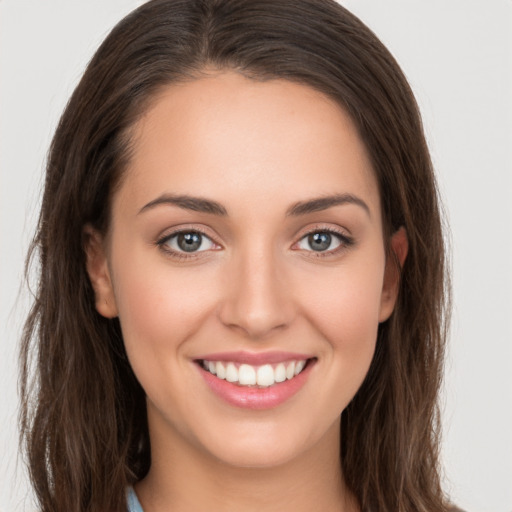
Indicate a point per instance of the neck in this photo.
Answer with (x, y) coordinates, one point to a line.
(183, 478)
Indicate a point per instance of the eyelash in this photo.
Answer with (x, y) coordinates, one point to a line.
(345, 242)
(182, 255)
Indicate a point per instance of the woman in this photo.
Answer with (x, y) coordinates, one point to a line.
(242, 272)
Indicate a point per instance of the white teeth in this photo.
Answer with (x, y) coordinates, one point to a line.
(280, 373)
(299, 367)
(265, 375)
(220, 370)
(248, 375)
(231, 373)
(290, 370)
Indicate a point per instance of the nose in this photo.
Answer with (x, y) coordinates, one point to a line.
(257, 299)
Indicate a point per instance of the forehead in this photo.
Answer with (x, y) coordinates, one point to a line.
(237, 139)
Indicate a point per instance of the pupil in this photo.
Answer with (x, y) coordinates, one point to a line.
(319, 241)
(189, 242)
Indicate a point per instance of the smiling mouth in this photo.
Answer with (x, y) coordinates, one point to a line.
(247, 375)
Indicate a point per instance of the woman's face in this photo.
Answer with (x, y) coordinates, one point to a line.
(246, 242)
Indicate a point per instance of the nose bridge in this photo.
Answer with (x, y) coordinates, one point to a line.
(256, 299)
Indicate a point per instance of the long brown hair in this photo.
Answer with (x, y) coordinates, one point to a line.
(83, 419)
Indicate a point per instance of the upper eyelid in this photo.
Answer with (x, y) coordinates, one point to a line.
(176, 233)
(321, 228)
(162, 243)
(329, 231)
(346, 240)
(168, 234)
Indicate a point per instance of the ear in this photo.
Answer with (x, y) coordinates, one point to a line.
(99, 272)
(399, 246)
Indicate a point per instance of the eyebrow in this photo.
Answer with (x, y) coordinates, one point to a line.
(199, 204)
(323, 203)
(196, 204)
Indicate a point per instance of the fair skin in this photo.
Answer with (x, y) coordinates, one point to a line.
(266, 273)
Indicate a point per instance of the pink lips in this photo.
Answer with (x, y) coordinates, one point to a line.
(253, 397)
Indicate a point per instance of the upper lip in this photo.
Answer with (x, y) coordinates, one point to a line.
(255, 358)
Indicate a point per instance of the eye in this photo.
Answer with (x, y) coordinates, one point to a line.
(322, 241)
(188, 242)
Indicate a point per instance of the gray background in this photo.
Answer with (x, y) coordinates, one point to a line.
(457, 55)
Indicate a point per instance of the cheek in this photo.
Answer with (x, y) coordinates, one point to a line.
(346, 315)
(160, 310)
(344, 304)
(160, 307)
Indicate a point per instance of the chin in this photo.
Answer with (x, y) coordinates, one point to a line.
(266, 446)
(257, 454)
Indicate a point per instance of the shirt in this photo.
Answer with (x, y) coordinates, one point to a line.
(135, 506)
(132, 500)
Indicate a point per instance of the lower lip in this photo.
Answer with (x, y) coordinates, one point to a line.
(256, 398)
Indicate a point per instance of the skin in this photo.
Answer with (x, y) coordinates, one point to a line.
(256, 148)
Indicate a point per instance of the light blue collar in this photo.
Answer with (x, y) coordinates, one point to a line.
(132, 500)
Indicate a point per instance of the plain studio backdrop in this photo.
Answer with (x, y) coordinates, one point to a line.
(457, 55)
